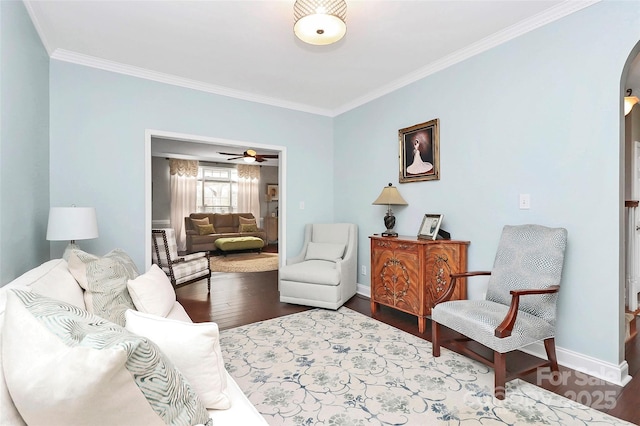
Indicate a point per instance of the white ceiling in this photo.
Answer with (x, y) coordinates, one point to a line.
(247, 49)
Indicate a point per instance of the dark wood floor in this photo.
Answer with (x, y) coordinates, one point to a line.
(239, 299)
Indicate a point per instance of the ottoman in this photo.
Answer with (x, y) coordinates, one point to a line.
(237, 244)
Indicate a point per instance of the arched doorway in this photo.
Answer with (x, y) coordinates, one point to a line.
(630, 140)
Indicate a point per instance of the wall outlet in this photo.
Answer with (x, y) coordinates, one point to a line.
(301, 205)
(525, 202)
(363, 270)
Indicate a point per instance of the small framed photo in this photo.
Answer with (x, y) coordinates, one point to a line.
(272, 192)
(430, 226)
(420, 152)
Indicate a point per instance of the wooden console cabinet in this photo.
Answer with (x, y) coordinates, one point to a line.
(409, 274)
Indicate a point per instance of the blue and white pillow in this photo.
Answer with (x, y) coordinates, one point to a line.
(104, 280)
(66, 366)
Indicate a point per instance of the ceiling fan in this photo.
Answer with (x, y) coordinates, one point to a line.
(250, 156)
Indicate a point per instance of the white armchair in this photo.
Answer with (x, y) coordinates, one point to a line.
(324, 274)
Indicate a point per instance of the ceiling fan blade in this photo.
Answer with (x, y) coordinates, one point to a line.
(228, 153)
(269, 155)
(234, 158)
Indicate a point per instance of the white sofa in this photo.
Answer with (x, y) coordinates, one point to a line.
(53, 279)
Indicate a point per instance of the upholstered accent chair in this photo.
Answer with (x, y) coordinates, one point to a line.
(520, 304)
(181, 270)
(324, 273)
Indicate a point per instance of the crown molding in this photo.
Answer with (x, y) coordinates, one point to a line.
(543, 18)
(550, 15)
(133, 71)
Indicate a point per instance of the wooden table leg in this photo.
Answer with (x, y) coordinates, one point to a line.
(374, 307)
(422, 324)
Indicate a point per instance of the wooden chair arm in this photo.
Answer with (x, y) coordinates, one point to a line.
(506, 326)
(470, 274)
(452, 284)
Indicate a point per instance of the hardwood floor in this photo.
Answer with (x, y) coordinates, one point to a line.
(244, 298)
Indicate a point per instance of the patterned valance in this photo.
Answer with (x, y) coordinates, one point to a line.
(246, 171)
(187, 168)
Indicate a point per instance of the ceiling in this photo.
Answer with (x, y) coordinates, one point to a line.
(211, 152)
(247, 49)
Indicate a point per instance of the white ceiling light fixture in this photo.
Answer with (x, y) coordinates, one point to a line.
(629, 102)
(320, 22)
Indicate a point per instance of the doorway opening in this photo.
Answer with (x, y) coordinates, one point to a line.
(630, 135)
(208, 148)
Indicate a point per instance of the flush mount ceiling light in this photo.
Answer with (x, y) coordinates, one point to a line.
(320, 22)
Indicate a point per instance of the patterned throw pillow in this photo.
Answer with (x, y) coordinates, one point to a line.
(64, 364)
(201, 364)
(246, 221)
(104, 280)
(205, 229)
(248, 228)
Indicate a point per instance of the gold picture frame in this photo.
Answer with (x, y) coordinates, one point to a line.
(273, 193)
(420, 152)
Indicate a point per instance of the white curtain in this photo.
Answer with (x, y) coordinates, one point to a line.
(248, 187)
(184, 181)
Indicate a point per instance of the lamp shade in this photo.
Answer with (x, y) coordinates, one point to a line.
(72, 223)
(390, 196)
(629, 102)
(320, 22)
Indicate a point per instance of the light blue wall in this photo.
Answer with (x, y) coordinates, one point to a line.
(98, 123)
(24, 143)
(539, 115)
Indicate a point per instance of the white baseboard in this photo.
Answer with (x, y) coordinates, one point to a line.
(616, 374)
(160, 224)
(363, 290)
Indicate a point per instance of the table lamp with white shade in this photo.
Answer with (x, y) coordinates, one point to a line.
(390, 197)
(72, 223)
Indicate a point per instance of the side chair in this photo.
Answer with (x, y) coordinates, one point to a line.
(520, 304)
(181, 270)
(324, 273)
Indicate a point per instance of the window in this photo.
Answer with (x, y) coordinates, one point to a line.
(217, 190)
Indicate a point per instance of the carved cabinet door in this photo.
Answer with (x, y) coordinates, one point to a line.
(396, 275)
(440, 262)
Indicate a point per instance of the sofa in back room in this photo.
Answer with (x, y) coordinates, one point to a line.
(225, 225)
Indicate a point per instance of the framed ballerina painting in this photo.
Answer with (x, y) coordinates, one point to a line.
(420, 152)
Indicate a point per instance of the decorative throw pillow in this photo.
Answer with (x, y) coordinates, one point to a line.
(198, 222)
(244, 227)
(104, 280)
(324, 251)
(53, 279)
(246, 221)
(194, 348)
(152, 292)
(63, 364)
(205, 229)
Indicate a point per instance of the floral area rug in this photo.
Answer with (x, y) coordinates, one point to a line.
(323, 367)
